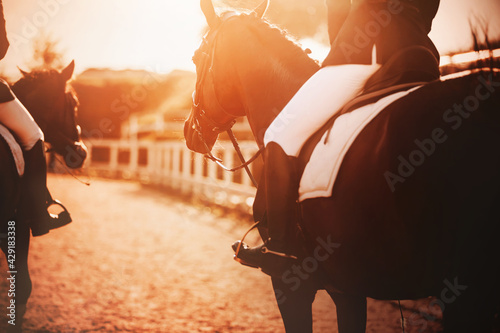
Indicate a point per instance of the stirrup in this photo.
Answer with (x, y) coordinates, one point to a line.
(237, 251)
(264, 249)
(272, 263)
(63, 218)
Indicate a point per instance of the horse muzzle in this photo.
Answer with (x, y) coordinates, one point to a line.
(196, 140)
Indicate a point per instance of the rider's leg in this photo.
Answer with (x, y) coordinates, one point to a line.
(319, 99)
(34, 194)
(35, 197)
(18, 120)
(34, 191)
(316, 102)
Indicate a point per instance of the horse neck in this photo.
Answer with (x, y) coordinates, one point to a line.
(266, 89)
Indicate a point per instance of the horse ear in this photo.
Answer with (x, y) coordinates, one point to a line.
(208, 9)
(67, 73)
(25, 74)
(262, 9)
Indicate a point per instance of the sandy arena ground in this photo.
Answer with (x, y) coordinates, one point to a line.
(138, 260)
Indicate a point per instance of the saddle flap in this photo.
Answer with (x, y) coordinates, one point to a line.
(326, 159)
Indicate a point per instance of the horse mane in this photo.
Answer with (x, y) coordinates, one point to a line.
(277, 39)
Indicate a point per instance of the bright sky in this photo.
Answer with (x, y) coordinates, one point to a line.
(161, 35)
(158, 35)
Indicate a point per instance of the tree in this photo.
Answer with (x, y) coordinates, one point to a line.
(46, 53)
(301, 18)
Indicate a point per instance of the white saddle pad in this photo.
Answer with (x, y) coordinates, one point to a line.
(14, 148)
(320, 173)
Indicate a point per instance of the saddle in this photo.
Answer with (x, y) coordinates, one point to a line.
(410, 67)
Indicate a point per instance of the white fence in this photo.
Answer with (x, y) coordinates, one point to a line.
(171, 165)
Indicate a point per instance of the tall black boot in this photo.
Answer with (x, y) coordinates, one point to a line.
(282, 183)
(282, 191)
(35, 197)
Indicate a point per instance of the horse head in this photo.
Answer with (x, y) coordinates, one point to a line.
(53, 104)
(216, 102)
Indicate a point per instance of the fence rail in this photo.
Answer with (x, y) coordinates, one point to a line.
(171, 165)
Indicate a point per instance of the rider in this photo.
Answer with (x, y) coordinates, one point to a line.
(14, 116)
(358, 29)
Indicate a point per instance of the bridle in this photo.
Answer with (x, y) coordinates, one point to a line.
(209, 42)
(70, 105)
(54, 127)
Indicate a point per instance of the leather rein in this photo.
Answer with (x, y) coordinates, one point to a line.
(199, 114)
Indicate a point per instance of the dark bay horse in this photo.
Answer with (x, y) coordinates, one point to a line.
(53, 104)
(414, 210)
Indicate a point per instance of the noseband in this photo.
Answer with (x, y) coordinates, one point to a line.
(207, 51)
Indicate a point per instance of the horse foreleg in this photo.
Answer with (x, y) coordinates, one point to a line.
(351, 313)
(295, 304)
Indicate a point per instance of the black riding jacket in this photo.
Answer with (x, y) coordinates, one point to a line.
(4, 43)
(391, 25)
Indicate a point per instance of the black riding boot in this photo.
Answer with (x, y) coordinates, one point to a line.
(35, 198)
(282, 184)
